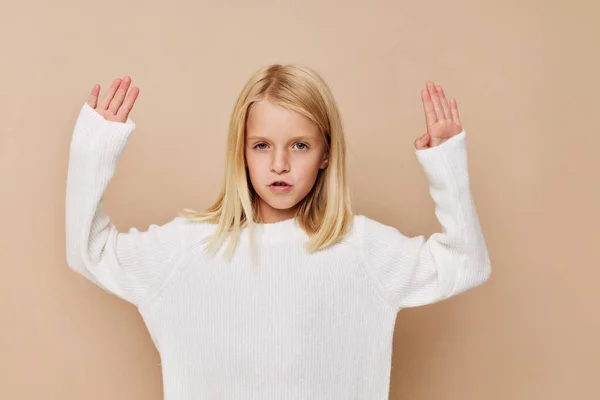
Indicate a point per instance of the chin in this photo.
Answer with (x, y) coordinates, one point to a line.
(282, 206)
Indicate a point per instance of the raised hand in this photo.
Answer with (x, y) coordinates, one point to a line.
(114, 105)
(442, 119)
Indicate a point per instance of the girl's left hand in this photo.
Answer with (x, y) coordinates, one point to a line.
(442, 120)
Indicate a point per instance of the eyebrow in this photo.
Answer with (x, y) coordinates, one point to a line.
(301, 137)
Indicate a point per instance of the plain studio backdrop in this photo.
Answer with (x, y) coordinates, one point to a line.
(525, 76)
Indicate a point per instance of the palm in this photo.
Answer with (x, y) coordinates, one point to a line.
(115, 106)
(441, 118)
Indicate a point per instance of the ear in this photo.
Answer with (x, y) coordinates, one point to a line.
(325, 162)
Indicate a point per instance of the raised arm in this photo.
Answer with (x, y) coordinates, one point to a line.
(129, 265)
(415, 271)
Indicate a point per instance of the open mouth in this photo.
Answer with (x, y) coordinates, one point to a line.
(280, 183)
(280, 186)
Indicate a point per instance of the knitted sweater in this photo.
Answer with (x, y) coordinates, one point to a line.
(292, 326)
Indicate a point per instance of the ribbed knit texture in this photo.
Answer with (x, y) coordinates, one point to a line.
(293, 326)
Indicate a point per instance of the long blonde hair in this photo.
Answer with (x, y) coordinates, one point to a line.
(325, 213)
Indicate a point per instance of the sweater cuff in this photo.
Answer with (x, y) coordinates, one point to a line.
(446, 161)
(93, 133)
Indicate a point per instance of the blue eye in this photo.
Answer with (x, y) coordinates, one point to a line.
(304, 146)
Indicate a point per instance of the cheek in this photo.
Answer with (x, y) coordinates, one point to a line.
(250, 160)
(309, 167)
(254, 161)
(255, 166)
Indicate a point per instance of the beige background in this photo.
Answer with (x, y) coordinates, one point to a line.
(524, 73)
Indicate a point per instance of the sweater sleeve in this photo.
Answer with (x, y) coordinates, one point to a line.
(126, 264)
(415, 271)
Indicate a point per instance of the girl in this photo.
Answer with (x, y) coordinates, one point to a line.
(311, 314)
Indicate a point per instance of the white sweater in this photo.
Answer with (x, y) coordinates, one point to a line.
(294, 326)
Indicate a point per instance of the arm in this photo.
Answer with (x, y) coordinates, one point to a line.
(414, 271)
(130, 264)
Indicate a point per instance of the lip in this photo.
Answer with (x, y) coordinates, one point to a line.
(280, 189)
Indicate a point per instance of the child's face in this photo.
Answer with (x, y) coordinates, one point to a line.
(282, 145)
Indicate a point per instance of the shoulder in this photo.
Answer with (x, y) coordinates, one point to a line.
(371, 236)
(191, 227)
(175, 229)
(188, 231)
(363, 223)
(364, 228)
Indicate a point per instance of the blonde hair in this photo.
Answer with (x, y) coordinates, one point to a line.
(325, 212)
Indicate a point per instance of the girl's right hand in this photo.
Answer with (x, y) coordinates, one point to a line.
(114, 105)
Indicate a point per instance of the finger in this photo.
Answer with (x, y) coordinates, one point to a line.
(430, 115)
(109, 94)
(454, 108)
(125, 109)
(93, 97)
(421, 143)
(444, 102)
(437, 106)
(117, 100)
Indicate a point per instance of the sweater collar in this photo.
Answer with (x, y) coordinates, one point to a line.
(280, 231)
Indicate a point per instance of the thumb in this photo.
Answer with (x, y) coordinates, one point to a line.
(421, 143)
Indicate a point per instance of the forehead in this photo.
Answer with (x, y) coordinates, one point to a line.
(269, 120)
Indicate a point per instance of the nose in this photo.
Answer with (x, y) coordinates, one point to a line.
(280, 162)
